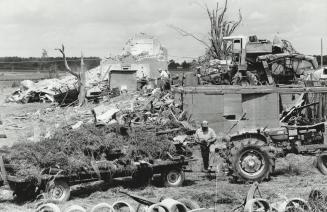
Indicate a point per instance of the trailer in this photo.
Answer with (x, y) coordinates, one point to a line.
(55, 185)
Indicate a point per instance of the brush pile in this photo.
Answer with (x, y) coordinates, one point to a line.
(127, 129)
(74, 150)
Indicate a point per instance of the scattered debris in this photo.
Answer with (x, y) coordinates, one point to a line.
(139, 62)
(253, 61)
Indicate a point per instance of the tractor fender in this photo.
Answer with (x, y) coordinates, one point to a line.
(234, 138)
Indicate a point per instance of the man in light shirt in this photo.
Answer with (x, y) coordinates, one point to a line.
(205, 137)
(165, 81)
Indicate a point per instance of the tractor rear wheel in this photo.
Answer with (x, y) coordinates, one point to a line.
(250, 162)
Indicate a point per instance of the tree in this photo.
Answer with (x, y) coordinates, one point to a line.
(219, 28)
(172, 64)
(80, 76)
(185, 65)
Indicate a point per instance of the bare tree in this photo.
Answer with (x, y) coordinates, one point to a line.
(80, 76)
(219, 28)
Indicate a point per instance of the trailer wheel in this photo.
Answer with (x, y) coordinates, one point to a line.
(59, 191)
(322, 163)
(173, 178)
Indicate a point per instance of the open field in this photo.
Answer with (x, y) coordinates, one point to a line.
(8, 77)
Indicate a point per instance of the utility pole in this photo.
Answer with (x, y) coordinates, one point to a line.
(321, 54)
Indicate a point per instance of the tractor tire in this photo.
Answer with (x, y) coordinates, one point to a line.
(173, 178)
(322, 163)
(250, 162)
(58, 191)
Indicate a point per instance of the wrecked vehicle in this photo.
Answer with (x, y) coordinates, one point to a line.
(253, 61)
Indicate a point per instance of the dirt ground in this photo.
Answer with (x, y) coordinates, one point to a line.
(295, 176)
(198, 187)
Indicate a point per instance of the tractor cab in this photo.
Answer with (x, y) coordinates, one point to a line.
(236, 45)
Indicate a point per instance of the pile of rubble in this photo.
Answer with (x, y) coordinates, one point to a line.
(143, 53)
(255, 62)
(46, 90)
(145, 123)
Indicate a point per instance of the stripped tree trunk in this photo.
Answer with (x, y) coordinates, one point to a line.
(80, 77)
(82, 90)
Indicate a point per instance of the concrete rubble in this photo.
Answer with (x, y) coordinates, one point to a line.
(143, 53)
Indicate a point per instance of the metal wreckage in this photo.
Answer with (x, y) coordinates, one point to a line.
(254, 61)
(264, 103)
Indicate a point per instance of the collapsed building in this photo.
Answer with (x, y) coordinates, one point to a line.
(137, 66)
(142, 57)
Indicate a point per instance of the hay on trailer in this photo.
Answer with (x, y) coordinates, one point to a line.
(74, 150)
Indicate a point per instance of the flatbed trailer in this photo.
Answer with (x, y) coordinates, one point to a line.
(55, 185)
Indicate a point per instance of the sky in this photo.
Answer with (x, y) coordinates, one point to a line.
(101, 27)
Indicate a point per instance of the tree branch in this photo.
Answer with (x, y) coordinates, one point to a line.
(68, 69)
(185, 33)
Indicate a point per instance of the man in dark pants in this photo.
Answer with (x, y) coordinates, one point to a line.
(205, 137)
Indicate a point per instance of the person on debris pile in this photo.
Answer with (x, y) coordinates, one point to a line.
(165, 80)
(198, 75)
(205, 137)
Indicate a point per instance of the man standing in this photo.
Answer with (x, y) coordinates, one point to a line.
(165, 81)
(205, 137)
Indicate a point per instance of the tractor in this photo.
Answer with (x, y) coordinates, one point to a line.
(251, 155)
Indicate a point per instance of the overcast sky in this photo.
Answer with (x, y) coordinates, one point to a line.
(101, 27)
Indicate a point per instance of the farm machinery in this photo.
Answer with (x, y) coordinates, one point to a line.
(251, 155)
(253, 61)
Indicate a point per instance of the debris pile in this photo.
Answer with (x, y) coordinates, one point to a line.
(318, 200)
(303, 110)
(45, 90)
(253, 61)
(128, 128)
(143, 53)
